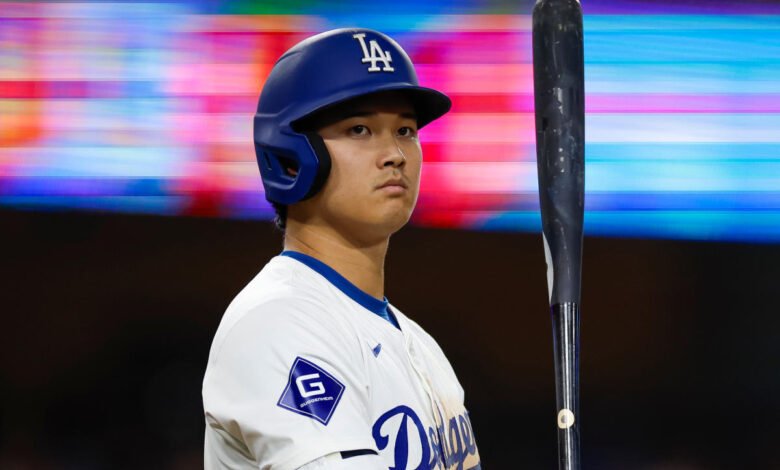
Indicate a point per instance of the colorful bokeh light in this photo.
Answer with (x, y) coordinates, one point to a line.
(147, 107)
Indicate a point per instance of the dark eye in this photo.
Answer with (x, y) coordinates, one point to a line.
(358, 130)
(407, 132)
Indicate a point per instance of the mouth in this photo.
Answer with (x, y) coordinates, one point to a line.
(395, 183)
(393, 188)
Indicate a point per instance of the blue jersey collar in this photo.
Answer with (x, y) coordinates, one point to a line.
(379, 307)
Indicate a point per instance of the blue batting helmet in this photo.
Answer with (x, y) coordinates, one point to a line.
(321, 71)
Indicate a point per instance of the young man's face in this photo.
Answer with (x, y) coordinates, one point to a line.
(375, 173)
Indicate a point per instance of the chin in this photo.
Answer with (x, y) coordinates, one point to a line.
(395, 222)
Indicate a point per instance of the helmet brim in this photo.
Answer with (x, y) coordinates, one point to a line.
(428, 104)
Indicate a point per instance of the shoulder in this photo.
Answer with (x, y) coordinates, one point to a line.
(279, 317)
(282, 341)
(286, 310)
(282, 281)
(283, 295)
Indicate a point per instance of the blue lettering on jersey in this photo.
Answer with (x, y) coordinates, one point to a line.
(401, 451)
(446, 447)
(311, 391)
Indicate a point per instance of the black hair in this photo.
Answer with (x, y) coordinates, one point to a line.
(280, 220)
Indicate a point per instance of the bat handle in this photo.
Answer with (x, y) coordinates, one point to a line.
(566, 345)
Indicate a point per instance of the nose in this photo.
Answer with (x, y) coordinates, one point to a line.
(391, 154)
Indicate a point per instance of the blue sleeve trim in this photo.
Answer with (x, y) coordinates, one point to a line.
(369, 302)
(354, 453)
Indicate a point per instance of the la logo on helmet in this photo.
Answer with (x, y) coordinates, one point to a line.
(375, 55)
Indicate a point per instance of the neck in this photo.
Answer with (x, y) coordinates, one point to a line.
(361, 263)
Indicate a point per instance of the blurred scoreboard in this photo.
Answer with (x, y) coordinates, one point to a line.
(147, 107)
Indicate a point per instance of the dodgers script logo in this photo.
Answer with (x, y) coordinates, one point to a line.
(311, 391)
(415, 448)
(376, 54)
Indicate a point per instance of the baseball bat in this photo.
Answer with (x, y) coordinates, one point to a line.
(559, 101)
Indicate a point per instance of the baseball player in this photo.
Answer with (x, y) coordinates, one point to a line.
(311, 366)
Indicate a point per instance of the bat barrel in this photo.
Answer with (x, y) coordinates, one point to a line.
(566, 341)
(559, 105)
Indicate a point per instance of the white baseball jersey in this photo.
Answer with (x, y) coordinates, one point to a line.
(303, 365)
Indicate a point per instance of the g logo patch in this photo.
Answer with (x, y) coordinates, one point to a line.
(311, 391)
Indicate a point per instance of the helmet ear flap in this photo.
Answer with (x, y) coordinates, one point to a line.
(273, 161)
(323, 169)
(289, 164)
(295, 167)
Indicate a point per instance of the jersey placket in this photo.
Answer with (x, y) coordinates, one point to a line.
(435, 403)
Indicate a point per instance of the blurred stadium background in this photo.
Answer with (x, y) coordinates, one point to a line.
(132, 212)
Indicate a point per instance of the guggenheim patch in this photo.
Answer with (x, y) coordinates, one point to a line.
(311, 391)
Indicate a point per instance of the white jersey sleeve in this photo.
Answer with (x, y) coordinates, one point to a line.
(284, 387)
